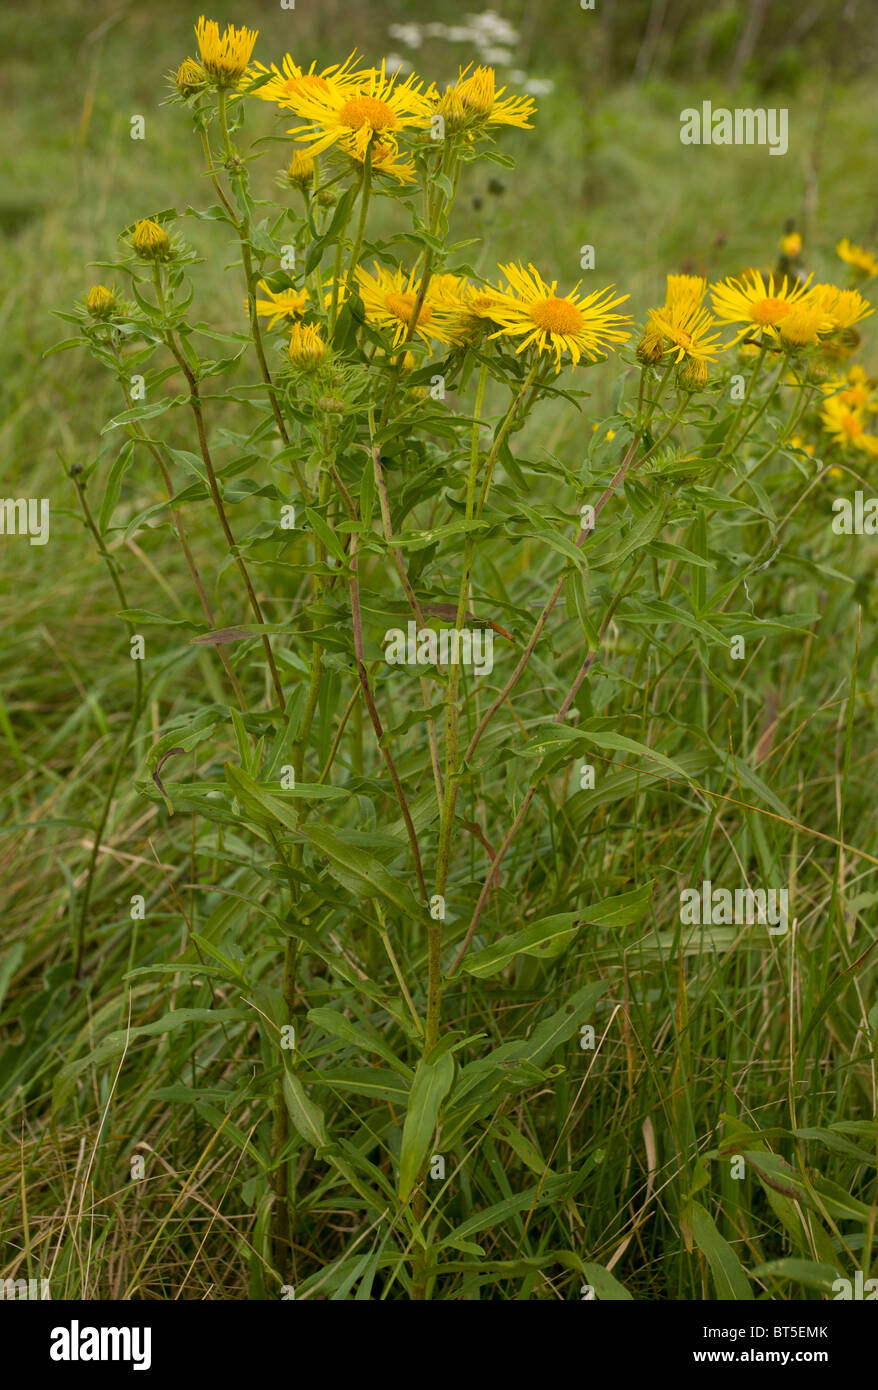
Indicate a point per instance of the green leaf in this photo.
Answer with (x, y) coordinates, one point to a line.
(806, 1273)
(337, 1025)
(545, 939)
(605, 1285)
(728, 1275)
(325, 534)
(305, 1114)
(114, 484)
(144, 412)
(361, 873)
(430, 1087)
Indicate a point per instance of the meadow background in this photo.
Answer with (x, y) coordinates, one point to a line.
(603, 166)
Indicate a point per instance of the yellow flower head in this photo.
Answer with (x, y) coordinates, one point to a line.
(758, 304)
(475, 99)
(841, 308)
(307, 348)
(190, 77)
(225, 57)
(390, 299)
(387, 160)
(151, 241)
(686, 331)
(694, 374)
(281, 304)
(801, 326)
(685, 292)
(100, 302)
(301, 170)
(861, 261)
(845, 426)
(471, 305)
(791, 245)
(858, 390)
(350, 113)
(531, 310)
(291, 82)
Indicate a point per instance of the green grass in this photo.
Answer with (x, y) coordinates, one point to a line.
(736, 1046)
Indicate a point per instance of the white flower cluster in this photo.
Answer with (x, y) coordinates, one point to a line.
(492, 37)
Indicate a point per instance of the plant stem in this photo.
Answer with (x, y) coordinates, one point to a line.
(136, 708)
(213, 488)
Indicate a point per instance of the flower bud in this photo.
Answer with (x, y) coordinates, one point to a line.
(151, 241)
(693, 374)
(307, 348)
(190, 78)
(100, 302)
(301, 170)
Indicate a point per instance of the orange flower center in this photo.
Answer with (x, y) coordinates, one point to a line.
(855, 396)
(851, 426)
(305, 83)
(371, 111)
(556, 315)
(769, 310)
(403, 306)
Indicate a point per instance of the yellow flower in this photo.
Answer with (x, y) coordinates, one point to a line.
(530, 309)
(797, 442)
(685, 292)
(694, 374)
(651, 348)
(803, 323)
(841, 308)
(791, 245)
(190, 77)
(100, 302)
(283, 86)
(350, 113)
(225, 57)
(687, 332)
(475, 99)
(280, 304)
(386, 159)
(843, 425)
(151, 241)
(389, 298)
(307, 348)
(857, 257)
(301, 170)
(471, 305)
(758, 304)
(858, 390)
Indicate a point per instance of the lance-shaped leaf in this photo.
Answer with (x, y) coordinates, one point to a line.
(430, 1087)
(356, 870)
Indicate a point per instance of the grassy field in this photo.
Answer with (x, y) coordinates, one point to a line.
(729, 1047)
